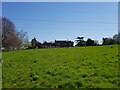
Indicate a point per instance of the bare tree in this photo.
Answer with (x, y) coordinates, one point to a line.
(8, 28)
(9, 35)
(23, 38)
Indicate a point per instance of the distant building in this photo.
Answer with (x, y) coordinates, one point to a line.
(39, 45)
(47, 44)
(62, 43)
(56, 43)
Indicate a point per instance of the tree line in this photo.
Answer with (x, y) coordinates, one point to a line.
(12, 39)
(105, 41)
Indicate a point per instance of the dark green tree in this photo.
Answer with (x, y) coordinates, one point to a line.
(108, 41)
(80, 41)
(89, 42)
(34, 42)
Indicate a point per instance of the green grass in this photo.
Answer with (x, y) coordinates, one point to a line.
(75, 67)
(0, 76)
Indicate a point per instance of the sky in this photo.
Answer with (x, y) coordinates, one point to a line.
(48, 21)
(60, 0)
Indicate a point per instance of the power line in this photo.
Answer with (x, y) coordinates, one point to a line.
(60, 21)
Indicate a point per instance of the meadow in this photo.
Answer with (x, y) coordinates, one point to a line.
(73, 67)
(0, 76)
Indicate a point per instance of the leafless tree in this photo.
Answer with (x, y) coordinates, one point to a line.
(23, 38)
(9, 34)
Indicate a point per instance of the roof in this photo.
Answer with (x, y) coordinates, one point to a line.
(62, 41)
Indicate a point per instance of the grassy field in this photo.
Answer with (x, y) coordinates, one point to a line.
(78, 67)
(0, 76)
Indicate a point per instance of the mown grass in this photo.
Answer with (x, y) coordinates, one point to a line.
(75, 67)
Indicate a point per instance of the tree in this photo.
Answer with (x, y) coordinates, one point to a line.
(80, 38)
(89, 42)
(116, 38)
(23, 38)
(34, 42)
(104, 39)
(108, 41)
(0, 34)
(8, 28)
(96, 42)
(80, 41)
(45, 44)
(9, 34)
(12, 42)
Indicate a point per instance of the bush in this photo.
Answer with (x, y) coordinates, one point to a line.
(30, 47)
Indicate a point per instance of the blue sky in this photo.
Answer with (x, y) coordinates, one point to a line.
(87, 19)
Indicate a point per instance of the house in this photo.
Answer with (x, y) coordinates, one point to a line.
(39, 45)
(63, 43)
(48, 44)
(56, 43)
